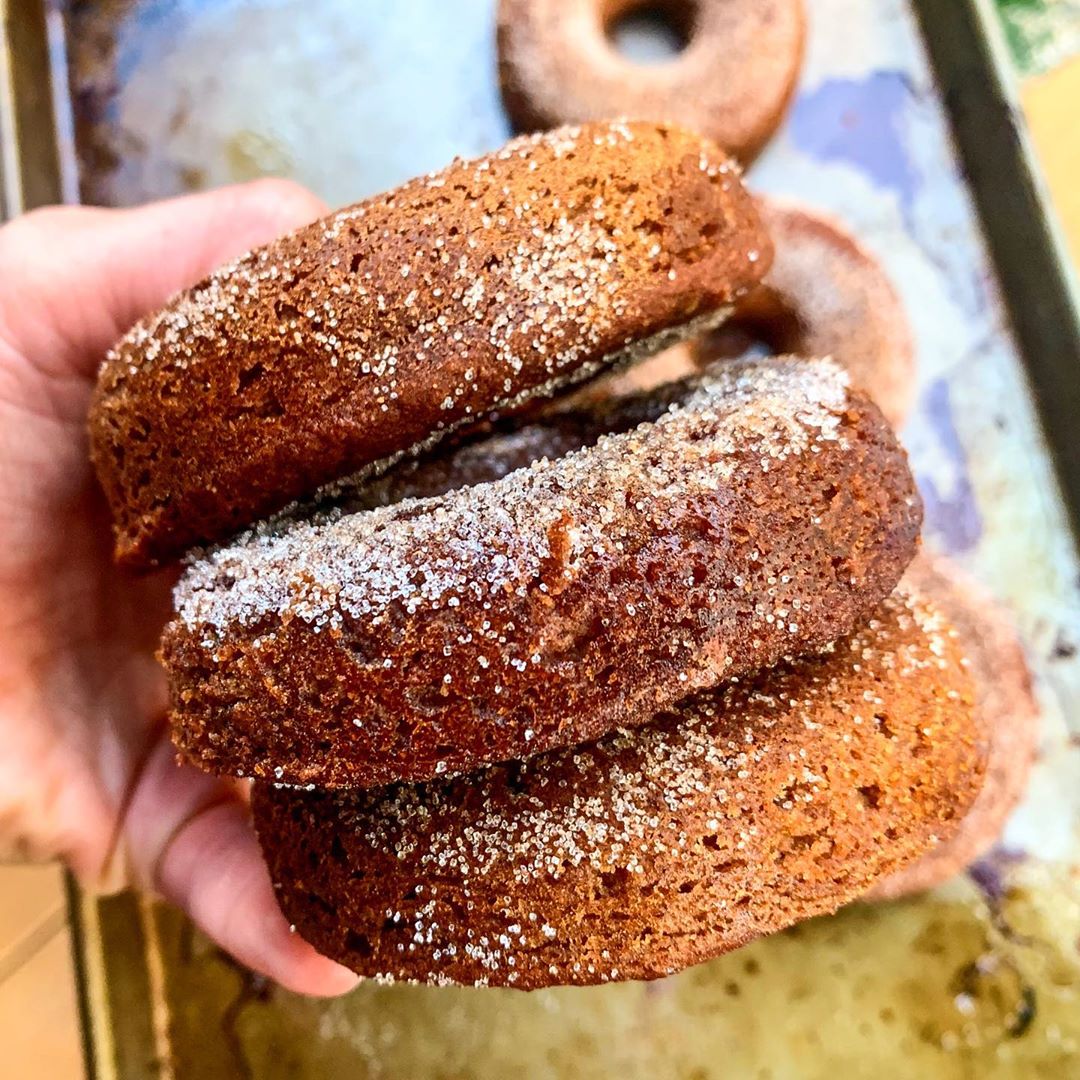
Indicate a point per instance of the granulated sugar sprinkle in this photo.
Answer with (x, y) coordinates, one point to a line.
(465, 545)
(650, 775)
(660, 796)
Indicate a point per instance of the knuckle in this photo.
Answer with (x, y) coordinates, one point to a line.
(281, 197)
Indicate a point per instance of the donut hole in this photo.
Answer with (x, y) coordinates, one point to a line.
(765, 325)
(650, 33)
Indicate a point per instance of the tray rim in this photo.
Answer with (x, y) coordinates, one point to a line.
(966, 46)
(31, 167)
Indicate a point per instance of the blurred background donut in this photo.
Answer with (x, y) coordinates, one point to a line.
(825, 295)
(734, 72)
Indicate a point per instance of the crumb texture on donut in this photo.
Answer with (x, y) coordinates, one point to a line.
(1005, 709)
(746, 810)
(825, 295)
(765, 512)
(381, 326)
(501, 445)
(732, 82)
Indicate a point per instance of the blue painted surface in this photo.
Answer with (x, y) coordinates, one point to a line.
(951, 516)
(860, 122)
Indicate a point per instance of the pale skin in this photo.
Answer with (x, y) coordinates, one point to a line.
(87, 773)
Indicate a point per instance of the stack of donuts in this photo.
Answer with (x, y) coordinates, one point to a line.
(825, 295)
(545, 676)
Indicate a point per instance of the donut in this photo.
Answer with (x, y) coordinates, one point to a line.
(825, 295)
(389, 323)
(503, 444)
(745, 810)
(732, 82)
(767, 511)
(1006, 710)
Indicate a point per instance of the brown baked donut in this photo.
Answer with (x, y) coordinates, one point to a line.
(501, 445)
(744, 811)
(768, 511)
(824, 296)
(1005, 708)
(732, 82)
(388, 323)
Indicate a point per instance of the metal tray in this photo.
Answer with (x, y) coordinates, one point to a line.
(906, 127)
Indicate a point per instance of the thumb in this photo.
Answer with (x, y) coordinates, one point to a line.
(86, 274)
(188, 836)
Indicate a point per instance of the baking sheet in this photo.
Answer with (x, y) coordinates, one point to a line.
(980, 979)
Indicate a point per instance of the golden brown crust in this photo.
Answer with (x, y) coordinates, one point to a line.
(732, 82)
(825, 295)
(745, 811)
(1005, 708)
(385, 324)
(768, 513)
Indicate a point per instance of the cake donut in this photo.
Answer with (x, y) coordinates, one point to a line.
(732, 82)
(767, 511)
(743, 811)
(1006, 710)
(825, 295)
(383, 326)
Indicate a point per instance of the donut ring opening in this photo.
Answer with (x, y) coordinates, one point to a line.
(669, 26)
(560, 62)
(764, 326)
(825, 295)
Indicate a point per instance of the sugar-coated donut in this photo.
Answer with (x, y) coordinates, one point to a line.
(1005, 708)
(395, 320)
(825, 295)
(766, 511)
(732, 82)
(744, 811)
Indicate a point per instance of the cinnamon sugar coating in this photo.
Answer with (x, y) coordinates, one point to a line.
(766, 512)
(825, 295)
(1005, 708)
(745, 810)
(391, 322)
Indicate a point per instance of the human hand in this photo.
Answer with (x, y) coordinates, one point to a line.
(87, 773)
